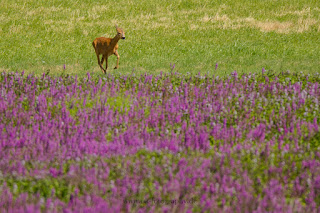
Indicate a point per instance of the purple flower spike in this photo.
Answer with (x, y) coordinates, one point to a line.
(172, 66)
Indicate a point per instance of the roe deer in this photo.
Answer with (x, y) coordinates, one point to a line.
(108, 46)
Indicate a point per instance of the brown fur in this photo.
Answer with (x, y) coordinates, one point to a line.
(106, 47)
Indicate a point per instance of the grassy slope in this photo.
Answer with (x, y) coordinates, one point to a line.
(194, 34)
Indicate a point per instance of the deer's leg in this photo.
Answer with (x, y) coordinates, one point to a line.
(102, 59)
(100, 63)
(118, 58)
(106, 59)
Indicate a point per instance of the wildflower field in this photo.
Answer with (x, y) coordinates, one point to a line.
(241, 35)
(160, 143)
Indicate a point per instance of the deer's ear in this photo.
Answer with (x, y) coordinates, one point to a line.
(116, 26)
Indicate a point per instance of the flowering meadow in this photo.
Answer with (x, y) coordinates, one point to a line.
(160, 143)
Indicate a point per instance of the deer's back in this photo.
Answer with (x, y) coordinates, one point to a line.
(101, 44)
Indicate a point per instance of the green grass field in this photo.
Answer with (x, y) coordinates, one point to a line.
(241, 35)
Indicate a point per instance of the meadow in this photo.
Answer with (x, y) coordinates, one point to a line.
(194, 35)
(215, 107)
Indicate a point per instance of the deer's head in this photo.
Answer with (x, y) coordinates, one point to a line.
(120, 32)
